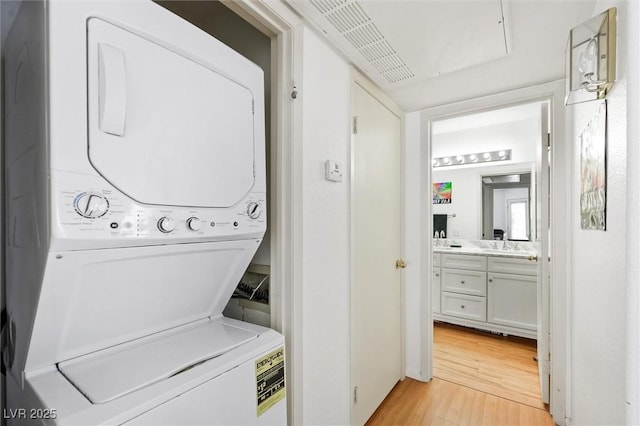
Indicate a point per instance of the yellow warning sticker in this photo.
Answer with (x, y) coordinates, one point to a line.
(270, 380)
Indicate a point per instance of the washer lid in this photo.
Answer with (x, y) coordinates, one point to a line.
(166, 127)
(102, 378)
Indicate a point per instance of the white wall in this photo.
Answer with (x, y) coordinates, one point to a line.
(325, 93)
(597, 294)
(633, 207)
(519, 136)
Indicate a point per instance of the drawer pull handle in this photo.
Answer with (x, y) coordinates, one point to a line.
(490, 280)
(462, 306)
(437, 275)
(461, 282)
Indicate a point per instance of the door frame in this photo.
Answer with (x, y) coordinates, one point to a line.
(285, 29)
(360, 80)
(559, 204)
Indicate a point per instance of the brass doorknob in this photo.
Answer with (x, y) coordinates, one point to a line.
(533, 258)
(400, 264)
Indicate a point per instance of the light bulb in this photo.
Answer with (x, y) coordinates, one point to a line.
(587, 61)
(487, 156)
(473, 157)
(446, 160)
(460, 159)
(502, 154)
(435, 162)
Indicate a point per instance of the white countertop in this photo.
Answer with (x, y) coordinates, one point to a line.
(520, 254)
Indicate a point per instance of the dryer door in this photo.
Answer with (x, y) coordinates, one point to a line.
(166, 128)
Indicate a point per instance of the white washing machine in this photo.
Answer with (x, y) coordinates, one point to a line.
(136, 191)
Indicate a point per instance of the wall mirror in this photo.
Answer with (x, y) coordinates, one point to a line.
(506, 207)
(470, 161)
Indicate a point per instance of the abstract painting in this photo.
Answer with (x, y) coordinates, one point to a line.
(593, 173)
(442, 193)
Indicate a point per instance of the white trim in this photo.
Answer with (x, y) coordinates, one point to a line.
(275, 19)
(554, 92)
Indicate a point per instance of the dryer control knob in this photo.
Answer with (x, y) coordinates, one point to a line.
(91, 205)
(194, 224)
(166, 224)
(254, 210)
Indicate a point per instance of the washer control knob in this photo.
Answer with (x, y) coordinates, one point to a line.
(194, 224)
(254, 210)
(166, 224)
(91, 205)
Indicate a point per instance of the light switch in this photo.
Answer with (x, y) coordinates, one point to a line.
(332, 171)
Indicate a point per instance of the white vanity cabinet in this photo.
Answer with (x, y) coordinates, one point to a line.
(464, 286)
(435, 284)
(512, 296)
(494, 293)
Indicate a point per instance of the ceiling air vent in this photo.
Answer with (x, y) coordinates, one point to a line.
(353, 23)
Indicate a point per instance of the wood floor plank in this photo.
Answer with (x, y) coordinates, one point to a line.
(494, 364)
(475, 383)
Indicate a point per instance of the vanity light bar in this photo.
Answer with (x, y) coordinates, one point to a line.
(477, 158)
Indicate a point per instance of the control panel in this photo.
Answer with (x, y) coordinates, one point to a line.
(106, 214)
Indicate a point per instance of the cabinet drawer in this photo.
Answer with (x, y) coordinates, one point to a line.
(463, 306)
(510, 265)
(466, 282)
(436, 260)
(464, 261)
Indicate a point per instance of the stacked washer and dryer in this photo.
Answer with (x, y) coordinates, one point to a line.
(135, 185)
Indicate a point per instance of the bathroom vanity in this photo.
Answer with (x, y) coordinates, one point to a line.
(490, 290)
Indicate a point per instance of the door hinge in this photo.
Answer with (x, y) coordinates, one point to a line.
(253, 106)
(355, 395)
(355, 125)
(546, 367)
(548, 140)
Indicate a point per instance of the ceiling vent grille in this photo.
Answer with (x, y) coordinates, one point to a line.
(353, 23)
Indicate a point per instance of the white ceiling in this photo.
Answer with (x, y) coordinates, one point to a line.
(523, 112)
(462, 40)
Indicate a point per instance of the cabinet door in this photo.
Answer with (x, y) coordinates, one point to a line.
(512, 300)
(435, 290)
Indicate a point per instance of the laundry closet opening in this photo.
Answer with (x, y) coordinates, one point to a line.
(490, 191)
(251, 301)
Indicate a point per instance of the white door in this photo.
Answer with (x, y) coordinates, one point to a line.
(542, 244)
(376, 326)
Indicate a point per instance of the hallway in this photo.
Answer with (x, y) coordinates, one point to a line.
(479, 379)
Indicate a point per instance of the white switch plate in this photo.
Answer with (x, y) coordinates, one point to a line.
(332, 171)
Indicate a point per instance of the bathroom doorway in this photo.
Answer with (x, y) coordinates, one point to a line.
(490, 285)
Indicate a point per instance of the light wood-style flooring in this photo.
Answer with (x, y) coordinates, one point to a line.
(479, 379)
(500, 366)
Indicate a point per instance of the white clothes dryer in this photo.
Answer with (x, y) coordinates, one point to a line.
(136, 193)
